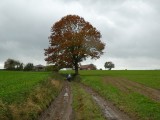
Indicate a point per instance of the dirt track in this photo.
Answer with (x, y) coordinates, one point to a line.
(127, 86)
(108, 109)
(61, 108)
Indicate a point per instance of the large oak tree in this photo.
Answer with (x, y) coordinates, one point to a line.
(72, 40)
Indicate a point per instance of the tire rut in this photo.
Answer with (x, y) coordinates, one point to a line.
(108, 109)
(60, 108)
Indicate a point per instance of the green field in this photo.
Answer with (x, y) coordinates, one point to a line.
(130, 101)
(15, 86)
(28, 93)
(24, 95)
(149, 78)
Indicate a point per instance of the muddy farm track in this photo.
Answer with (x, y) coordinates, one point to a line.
(109, 110)
(61, 107)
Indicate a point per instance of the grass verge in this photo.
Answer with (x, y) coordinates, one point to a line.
(84, 106)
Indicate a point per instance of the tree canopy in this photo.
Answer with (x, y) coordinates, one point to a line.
(11, 64)
(28, 67)
(109, 65)
(72, 40)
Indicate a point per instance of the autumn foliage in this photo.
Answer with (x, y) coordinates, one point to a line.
(72, 40)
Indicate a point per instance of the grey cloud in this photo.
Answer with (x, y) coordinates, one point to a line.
(129, 28)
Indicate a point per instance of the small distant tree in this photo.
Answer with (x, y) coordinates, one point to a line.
(28, 67)
(109, 65)
(19, 66)
(9, 64)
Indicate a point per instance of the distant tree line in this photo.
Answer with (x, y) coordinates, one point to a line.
(16, 65)
(11, 64)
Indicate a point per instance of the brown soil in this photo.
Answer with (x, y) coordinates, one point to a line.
(127, 86)
(108, 109)
(60, 108)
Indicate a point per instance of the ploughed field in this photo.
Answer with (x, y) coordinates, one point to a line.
(136, 93)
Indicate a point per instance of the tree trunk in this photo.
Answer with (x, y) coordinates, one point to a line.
(76, 68)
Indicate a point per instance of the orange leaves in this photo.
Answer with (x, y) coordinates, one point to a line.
(71, 40)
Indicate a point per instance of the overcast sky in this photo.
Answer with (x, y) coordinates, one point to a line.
(130, 29)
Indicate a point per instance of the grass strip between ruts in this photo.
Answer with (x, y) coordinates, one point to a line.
(84, 106)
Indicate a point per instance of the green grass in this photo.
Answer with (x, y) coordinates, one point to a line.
(84, 106)
(37, 91)
(133, 103)
(24, 95)
(150, 78)
(15, 86)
